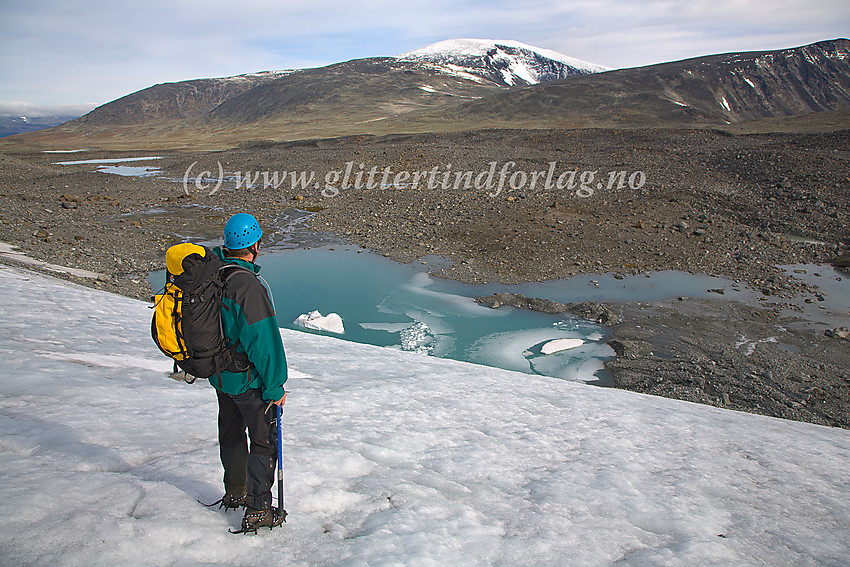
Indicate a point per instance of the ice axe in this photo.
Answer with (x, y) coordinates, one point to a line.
(281, 513)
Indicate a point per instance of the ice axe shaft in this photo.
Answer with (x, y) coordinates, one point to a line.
(281, 510)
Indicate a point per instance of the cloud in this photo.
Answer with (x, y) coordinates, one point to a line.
(621, 33)
(31, 110)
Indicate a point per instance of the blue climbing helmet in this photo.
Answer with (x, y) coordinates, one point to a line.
(241, 231)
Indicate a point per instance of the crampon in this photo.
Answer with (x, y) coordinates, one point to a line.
(229, 502)
(256, 519)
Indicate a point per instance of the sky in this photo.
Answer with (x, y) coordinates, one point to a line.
(59, 56)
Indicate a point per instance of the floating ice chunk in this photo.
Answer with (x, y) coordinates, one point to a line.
(388, 327)
(417, 338)
(558, 345)
(511, 349)
(580, 364)
(331, 323)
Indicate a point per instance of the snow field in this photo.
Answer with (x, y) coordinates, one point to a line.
(391, 458)
(467, 46)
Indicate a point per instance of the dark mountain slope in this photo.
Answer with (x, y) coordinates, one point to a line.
(185, 99)
(370, 88)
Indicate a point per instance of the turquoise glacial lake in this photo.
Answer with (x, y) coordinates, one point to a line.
(402, 306)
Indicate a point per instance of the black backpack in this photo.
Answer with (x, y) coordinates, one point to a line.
(186, 324)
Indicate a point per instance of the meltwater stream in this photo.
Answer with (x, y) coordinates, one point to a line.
(388, 304)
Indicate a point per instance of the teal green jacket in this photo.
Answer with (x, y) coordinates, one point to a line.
(248, 321)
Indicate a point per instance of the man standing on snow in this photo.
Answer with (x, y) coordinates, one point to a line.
(245, 398)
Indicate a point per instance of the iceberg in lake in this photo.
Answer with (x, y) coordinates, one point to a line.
(558, 345)
(331, 323)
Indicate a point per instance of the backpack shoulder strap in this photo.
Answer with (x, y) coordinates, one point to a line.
(227, 271)
(236, 270)
(225, 274)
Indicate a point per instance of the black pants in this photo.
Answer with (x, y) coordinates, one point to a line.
(247, 470)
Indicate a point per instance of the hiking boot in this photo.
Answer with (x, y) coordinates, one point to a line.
(234, 501)
(255, 519)
(230, 501)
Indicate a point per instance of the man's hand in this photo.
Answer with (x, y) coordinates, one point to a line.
(281, 401)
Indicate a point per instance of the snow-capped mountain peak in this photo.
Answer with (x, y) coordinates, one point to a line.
(506, 62)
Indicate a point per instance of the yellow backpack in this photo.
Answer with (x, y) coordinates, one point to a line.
(186, 323)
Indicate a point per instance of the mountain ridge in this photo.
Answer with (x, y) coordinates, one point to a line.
(433, 90)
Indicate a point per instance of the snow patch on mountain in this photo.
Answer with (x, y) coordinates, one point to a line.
(259, 76)
(506, 62)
